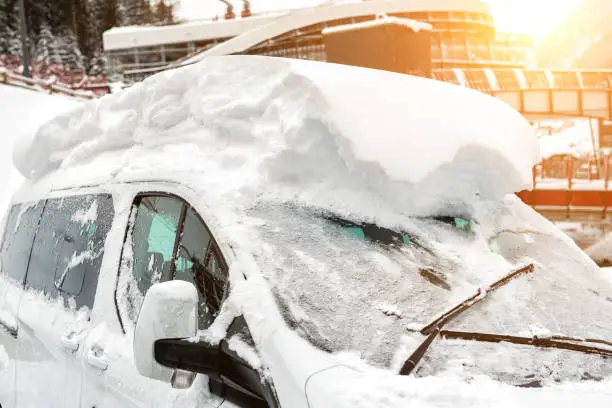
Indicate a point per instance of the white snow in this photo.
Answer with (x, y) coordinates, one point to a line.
(75, 260)
(245, 351)
(24, 209)
(8, 320)
(22, 110)
(169, 311)
(85, 217)
(414, 25)
(601, 251)
(575, 139)
(370, 121)
(270, 147)
(536, 331)
(384, 390)
(4, 358)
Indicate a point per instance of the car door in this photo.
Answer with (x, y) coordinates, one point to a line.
(165, 239)
(18, 237)
(54, 311)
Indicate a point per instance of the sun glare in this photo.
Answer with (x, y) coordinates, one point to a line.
(533, 17)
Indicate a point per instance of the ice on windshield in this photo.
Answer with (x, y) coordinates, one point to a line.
(384, 292)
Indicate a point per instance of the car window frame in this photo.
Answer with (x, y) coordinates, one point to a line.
(186, 205)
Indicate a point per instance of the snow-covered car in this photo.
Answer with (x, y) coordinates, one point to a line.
(256, 232)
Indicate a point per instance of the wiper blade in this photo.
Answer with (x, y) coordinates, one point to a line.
(477, 298)
(418, 354)
(567, 343)
(434, 328)
(579, 340)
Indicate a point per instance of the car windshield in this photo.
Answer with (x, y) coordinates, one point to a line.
(349, 285)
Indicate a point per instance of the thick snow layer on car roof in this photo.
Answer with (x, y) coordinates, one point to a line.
(22, 110)
(296, 121)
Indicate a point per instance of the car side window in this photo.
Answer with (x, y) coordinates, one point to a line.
(69, 247)
(154, 237)
(19, 233)
(170, 241)
(198, 262)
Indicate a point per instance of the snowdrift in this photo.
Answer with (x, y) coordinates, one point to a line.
(413, 131)
(22, 110)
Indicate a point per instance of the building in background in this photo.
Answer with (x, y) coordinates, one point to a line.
(462, 35)
(583, 40)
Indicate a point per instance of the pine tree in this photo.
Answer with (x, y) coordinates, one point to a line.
(137, 12)
(70, 54)
(14, 43)
(47, 47)
(5, 26)
(164, 13)
(10, 41)
(106, 14)
(103, 15)
(81, 27)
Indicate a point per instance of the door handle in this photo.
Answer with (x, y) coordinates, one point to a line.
(70, 342)
(97, 358)
(9, 324)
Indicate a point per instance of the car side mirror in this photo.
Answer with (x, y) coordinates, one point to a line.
(169, 311)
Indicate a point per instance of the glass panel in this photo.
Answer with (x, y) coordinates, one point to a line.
(197, 262)
(154, 236)
(19, 234)
(69, 247)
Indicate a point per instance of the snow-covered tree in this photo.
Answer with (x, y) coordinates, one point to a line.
(163, 13)
(137, 12)
(47, 48)
(69, 52)
(14, 43)
(105, 14)
(8, 25)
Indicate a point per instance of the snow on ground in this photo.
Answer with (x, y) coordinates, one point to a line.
(601, 251)
(22, 110)
(575, 139)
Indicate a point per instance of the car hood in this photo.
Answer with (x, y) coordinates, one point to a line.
(344, 387)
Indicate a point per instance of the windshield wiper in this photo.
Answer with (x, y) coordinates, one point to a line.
(556, 342)
(433, 329)
(477, 298)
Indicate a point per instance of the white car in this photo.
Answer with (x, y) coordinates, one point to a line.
(256, 232)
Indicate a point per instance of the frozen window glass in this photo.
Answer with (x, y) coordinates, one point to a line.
(69, 247)
(154, 237)
(158, 255)
(198, 262)
(19, 235)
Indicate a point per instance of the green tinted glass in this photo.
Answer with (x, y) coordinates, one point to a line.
(462, 224)
(356, 232)
(162, 236)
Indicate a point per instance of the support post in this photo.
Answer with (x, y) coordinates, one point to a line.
(594, 144)
(606, 176)
(606, 171)
(569, 165)
(25, 51)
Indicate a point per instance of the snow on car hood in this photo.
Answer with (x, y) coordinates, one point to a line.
(344, 293)
(415, 141)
